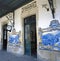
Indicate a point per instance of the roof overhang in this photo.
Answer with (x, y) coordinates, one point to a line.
(7, 6)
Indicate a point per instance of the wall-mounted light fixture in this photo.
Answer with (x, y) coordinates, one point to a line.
(45, 6)
(9, 28)
(10, 17)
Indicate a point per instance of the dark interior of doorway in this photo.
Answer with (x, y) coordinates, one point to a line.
(4, 47)
(30, 38)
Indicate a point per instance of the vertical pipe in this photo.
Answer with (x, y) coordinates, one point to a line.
(53, 13)
(53, 10)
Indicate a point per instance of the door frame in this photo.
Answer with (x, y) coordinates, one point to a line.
(29, 12)
(24, 33)
(4, 43)
(3, 23)
(22, 17)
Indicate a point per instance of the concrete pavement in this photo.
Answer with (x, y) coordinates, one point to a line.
(5, 56)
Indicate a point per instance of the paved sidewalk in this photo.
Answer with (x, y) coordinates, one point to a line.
(5, 56)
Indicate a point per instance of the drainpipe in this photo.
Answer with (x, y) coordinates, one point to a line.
(52, 8)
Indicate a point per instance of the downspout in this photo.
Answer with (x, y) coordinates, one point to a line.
(52, 8)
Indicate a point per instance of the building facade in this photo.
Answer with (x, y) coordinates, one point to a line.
(28, 20)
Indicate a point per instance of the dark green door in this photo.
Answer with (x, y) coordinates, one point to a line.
(30, 35)
(27, 40)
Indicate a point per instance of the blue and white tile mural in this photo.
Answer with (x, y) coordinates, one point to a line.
(14, 39)
(51, 39)
(48, 39)
(14, 45)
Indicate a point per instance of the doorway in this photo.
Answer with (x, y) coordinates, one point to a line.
(30, 38)
(4, 27)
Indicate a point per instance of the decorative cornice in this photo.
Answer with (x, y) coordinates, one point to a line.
(29, 6)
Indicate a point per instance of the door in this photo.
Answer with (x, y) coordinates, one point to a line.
(27, 40)
(33, 40)
(4, 47)
(30, 42)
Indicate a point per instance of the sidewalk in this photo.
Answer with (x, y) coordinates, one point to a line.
(5, 56)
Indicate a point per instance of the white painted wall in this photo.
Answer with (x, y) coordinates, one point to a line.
(57, 10)
(18, 22)
(18, 27)
(44, 15)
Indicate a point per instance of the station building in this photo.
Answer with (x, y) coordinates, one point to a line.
(28, 19)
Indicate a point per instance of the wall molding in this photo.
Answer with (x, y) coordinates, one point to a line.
(29, 6)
